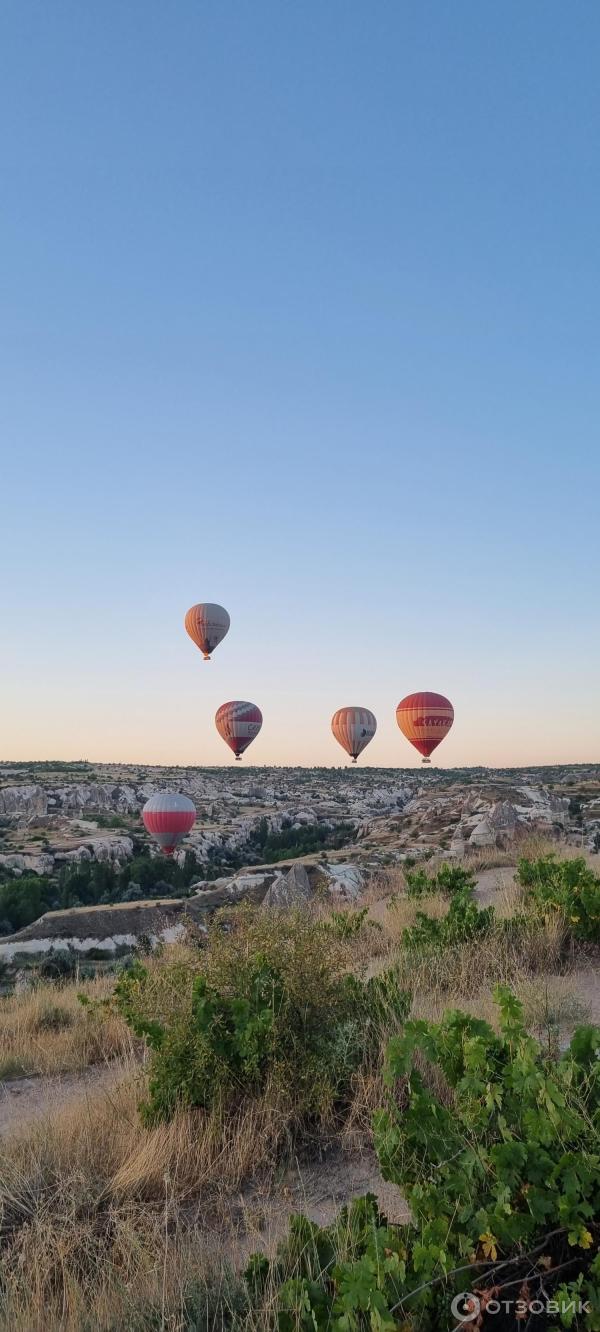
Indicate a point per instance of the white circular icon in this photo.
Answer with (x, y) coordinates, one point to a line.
(465, 1306)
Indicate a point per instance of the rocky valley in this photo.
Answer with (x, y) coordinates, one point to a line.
(78, 870)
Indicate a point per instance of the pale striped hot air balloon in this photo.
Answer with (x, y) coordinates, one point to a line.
(238, 724)
(207, 625)
(425, 720)
(353, 728)
(168, 817)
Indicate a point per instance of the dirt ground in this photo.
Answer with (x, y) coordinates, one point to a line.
(258, 1218)
(491, 883)
(25, 1099)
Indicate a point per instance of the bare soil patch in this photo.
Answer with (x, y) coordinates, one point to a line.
(23, 1100)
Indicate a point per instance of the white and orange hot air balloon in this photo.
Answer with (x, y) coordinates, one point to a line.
(425, 720)
(353, 728)
(168, 817)
(207, 625)
(238, 724)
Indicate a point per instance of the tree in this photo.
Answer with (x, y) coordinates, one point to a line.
(24, 900)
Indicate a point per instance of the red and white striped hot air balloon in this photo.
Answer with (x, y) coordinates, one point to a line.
(425, 720)
(353, 728)
(207, 625)
(238, 724)
(168, 817)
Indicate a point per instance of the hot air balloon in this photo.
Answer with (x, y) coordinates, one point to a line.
(425, 720)
(168, 817)
(207, 624)
(238, 723)
(353, 728)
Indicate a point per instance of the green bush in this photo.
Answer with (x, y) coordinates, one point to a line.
(496, 1148)
(266, 1005)
(567, 887)
(463, 921)
(449, 879)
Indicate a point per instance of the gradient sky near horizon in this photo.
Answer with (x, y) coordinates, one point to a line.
(300, 313)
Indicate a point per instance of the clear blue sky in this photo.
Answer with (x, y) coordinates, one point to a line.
(301, 314)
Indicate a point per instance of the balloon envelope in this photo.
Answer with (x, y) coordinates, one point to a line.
(353, 728)
(238, 723)
(168, 817)
(425, 720)
(207, 625)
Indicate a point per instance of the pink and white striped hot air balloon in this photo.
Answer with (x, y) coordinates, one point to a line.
(168, 817)
(238, 724)
(353, 728)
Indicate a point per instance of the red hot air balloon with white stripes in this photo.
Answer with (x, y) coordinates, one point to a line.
(207, 625)
(168, 817)
(238, 724)
(353, 728)
(425, 720)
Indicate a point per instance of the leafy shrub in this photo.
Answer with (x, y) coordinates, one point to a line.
(495, 1146)
(449, 879)
(463, 921)
(568, 887)
(266, 1004)
(419, 883)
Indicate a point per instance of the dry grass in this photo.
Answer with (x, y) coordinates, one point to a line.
(502, 956)
(383, 884)
(47, 1030)
(506, 955)
(92, 1202)
(531, 845)
(549, 1001)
